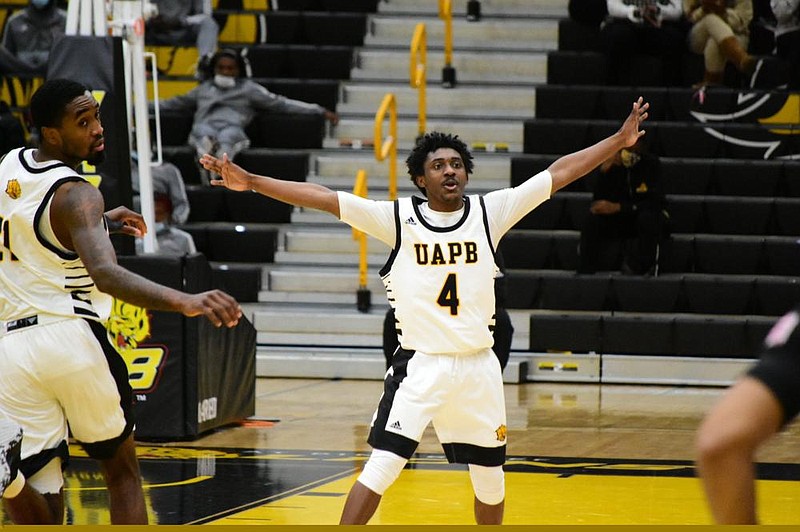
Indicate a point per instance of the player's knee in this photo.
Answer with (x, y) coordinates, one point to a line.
(381, 470)
(488, 483)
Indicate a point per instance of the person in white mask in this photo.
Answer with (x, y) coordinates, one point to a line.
(225, 104)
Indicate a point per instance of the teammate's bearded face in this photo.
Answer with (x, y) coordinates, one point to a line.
(444, 180)
(81, 132)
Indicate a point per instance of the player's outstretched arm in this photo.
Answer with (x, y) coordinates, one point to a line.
(76, 215)
(570, 167)
(301, 194)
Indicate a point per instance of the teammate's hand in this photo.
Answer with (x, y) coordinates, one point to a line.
(124, 221)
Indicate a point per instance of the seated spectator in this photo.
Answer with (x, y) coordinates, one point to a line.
(184, 22)
(720, 32)
(628, 206)
(224, 106)
(28, 36)
(775, 31)
(171, 206)
(650, 27)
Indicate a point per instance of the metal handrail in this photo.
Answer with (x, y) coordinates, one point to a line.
(417, 74)
(387, 147)
(363, 296)
(448, 72)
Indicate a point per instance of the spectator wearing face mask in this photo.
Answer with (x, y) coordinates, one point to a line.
(170, 206)
(29, 35)
(628, 206)
(225, 104)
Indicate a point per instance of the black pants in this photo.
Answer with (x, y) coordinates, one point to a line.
(642, 229)
(621, 40)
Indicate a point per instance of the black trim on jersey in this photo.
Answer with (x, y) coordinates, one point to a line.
(390, 259)
(486, 227)
(102, 450)
(379, 437)
(66, 255)
(34, 463)
(416, 201)
(465, 453)
(31, 170)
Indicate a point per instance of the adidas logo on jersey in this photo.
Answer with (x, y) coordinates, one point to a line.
(395, 426)
(411, 221)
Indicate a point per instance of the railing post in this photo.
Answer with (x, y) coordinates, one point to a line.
(448, 72)
(387, 147)
(417, 74)
(363, 294)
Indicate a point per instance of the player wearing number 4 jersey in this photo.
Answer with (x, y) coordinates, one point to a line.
(440, 280)
(58, 273)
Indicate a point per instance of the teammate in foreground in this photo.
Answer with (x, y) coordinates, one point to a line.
(439, 278)
(754, 409)
(58, 275)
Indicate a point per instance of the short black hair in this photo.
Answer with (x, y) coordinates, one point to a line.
(49, 102)
(429, 143)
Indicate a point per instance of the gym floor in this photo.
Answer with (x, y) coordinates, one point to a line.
(577, 454)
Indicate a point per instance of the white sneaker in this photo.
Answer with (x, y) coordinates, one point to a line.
(10, 447)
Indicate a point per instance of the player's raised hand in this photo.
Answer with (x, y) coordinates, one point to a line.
(631, 127)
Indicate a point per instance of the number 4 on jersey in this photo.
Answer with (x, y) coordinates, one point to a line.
(448, 297)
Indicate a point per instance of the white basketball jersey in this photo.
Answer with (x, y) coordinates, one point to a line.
(440, 280)
(36, 275)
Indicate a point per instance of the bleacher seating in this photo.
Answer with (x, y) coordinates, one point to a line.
(732, 179)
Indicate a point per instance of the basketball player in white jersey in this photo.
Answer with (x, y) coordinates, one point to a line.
(58, 273)
(439, 279)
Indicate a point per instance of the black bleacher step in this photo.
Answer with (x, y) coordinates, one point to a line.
(648, 334)
(691, 293)
(242, 281)
(229, 242)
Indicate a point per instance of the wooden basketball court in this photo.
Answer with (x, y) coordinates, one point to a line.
(578, 454)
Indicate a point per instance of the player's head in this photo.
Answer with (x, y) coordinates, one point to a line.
(429, 143)
(68, 119)
(228, 62)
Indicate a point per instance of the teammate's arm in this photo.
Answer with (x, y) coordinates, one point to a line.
(76, 215)
(301, 194)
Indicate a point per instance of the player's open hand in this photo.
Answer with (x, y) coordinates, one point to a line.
(231, 175)
(631, 130)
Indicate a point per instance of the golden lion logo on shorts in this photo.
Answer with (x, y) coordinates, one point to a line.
(128, 325)
(13, 190)
(501, 433)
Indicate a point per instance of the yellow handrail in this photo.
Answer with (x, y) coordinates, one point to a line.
(446, 14)
(360, 189)
(417, 71)
(387, 147)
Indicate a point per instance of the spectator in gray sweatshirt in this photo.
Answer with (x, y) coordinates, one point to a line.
(225, 104)
(29, 35)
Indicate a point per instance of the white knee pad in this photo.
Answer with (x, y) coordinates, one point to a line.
(48, 479)
(488, 483)
(381, 470)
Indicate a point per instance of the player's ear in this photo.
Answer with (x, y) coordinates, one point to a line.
(49, 135)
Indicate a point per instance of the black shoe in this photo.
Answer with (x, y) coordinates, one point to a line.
(10, 448)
